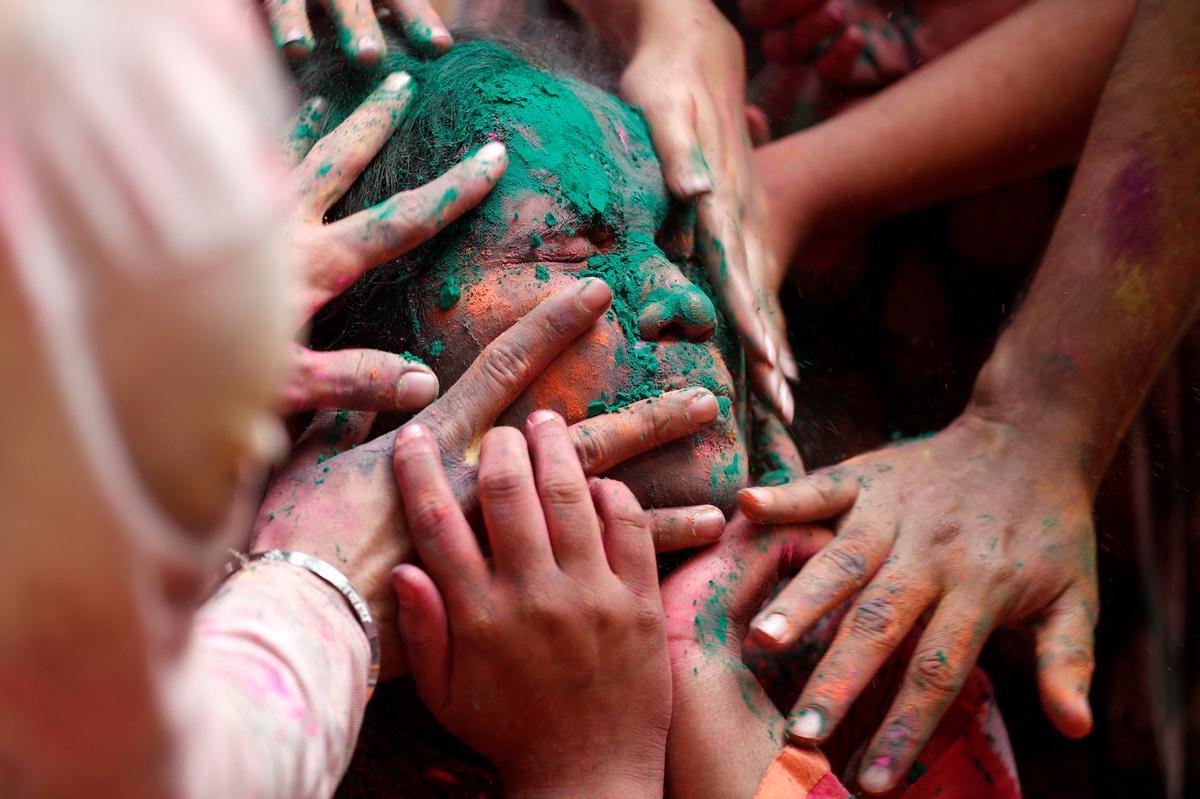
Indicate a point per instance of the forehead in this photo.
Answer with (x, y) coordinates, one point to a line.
(580, 144)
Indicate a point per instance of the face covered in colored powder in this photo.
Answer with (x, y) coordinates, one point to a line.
(583, 196)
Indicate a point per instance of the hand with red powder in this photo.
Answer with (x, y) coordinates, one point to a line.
(357, 26)
(687, 72)
(332, 256)
(336, 498)
(551, 661)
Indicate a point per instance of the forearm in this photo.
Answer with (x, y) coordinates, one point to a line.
(1121, 279)
(274, 688)
(1011, 102)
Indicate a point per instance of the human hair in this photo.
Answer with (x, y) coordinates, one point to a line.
(452, 113)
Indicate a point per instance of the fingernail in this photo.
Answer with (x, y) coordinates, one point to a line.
(491, 152)
(769, 346)
(787, 365)
(416, 389)
(877, 776)
(709, 524)
(761, 497)
(411, 432)
(595, 294)
(396, 81)
(540, 417)
(787, 404)
(295, 41)
(441, 39)
(694, 184)
(807, 725)
(369, 49)
(772, 627)
(703, 409)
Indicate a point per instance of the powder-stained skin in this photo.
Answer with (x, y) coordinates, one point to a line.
(1131, 223)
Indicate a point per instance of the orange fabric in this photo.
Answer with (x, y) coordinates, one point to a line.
(795, 772)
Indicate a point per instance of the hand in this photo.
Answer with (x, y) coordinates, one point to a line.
(793, 30)
(357, 27)
(338, 501)
(687, 73)
(981, 525)
(333, 256)
(552, 662)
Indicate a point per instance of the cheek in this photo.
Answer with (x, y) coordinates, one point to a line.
(491, 306)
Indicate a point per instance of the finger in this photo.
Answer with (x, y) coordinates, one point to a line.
(817, 497)
(837, 64)
(811, 29)
(566, 500)
(771, 384)
(435, 522)
(769, 13)
(392, 228)
(870, 633)
(1066, 659)
(941, 663)
(758, 125)
(337, 160)
(605, 441)
(512, 511)
(627, 540)
(423, 28)
(305, 128)
(673, 131)
(360, 380)
(830, 578)
(723, 252)
(514, 358)
(685, 528)
(289, 27)
(426, 633)
(358, 30)
(331, 433)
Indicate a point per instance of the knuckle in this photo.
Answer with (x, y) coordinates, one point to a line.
(874, 620)
(506, 363)
(656, 423)
(648, 621)
(432, 515)
(561, 493)
(1078, 659)
(500, 483)
(473, 623)
(847, 561)
(592, 448)
(932, 672)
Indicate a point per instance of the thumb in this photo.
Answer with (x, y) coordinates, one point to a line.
(1065, 660)
(814, 498)
(426, 633)
(360, 380)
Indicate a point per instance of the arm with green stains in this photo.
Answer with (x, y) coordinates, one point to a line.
(988, 523)
(1011, 102)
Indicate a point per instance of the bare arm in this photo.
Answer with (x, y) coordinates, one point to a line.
(989, 522)
(1009, 103)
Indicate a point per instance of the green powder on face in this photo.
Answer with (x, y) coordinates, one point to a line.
(535, 240)
(436, 348)
(541, 273)
(551, 219)
(408, 356)
(450, 293)
(683, 302)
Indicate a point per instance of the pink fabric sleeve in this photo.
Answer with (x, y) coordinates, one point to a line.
(272, 692)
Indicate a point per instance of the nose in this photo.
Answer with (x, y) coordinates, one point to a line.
(674, 307)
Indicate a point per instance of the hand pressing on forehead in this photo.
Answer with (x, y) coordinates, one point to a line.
(687, 73)
(336, 498)
(551, 661)
(333, 256)
(357, 25)
(979, 526)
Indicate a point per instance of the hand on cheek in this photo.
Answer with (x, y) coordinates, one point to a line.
(557, 652)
